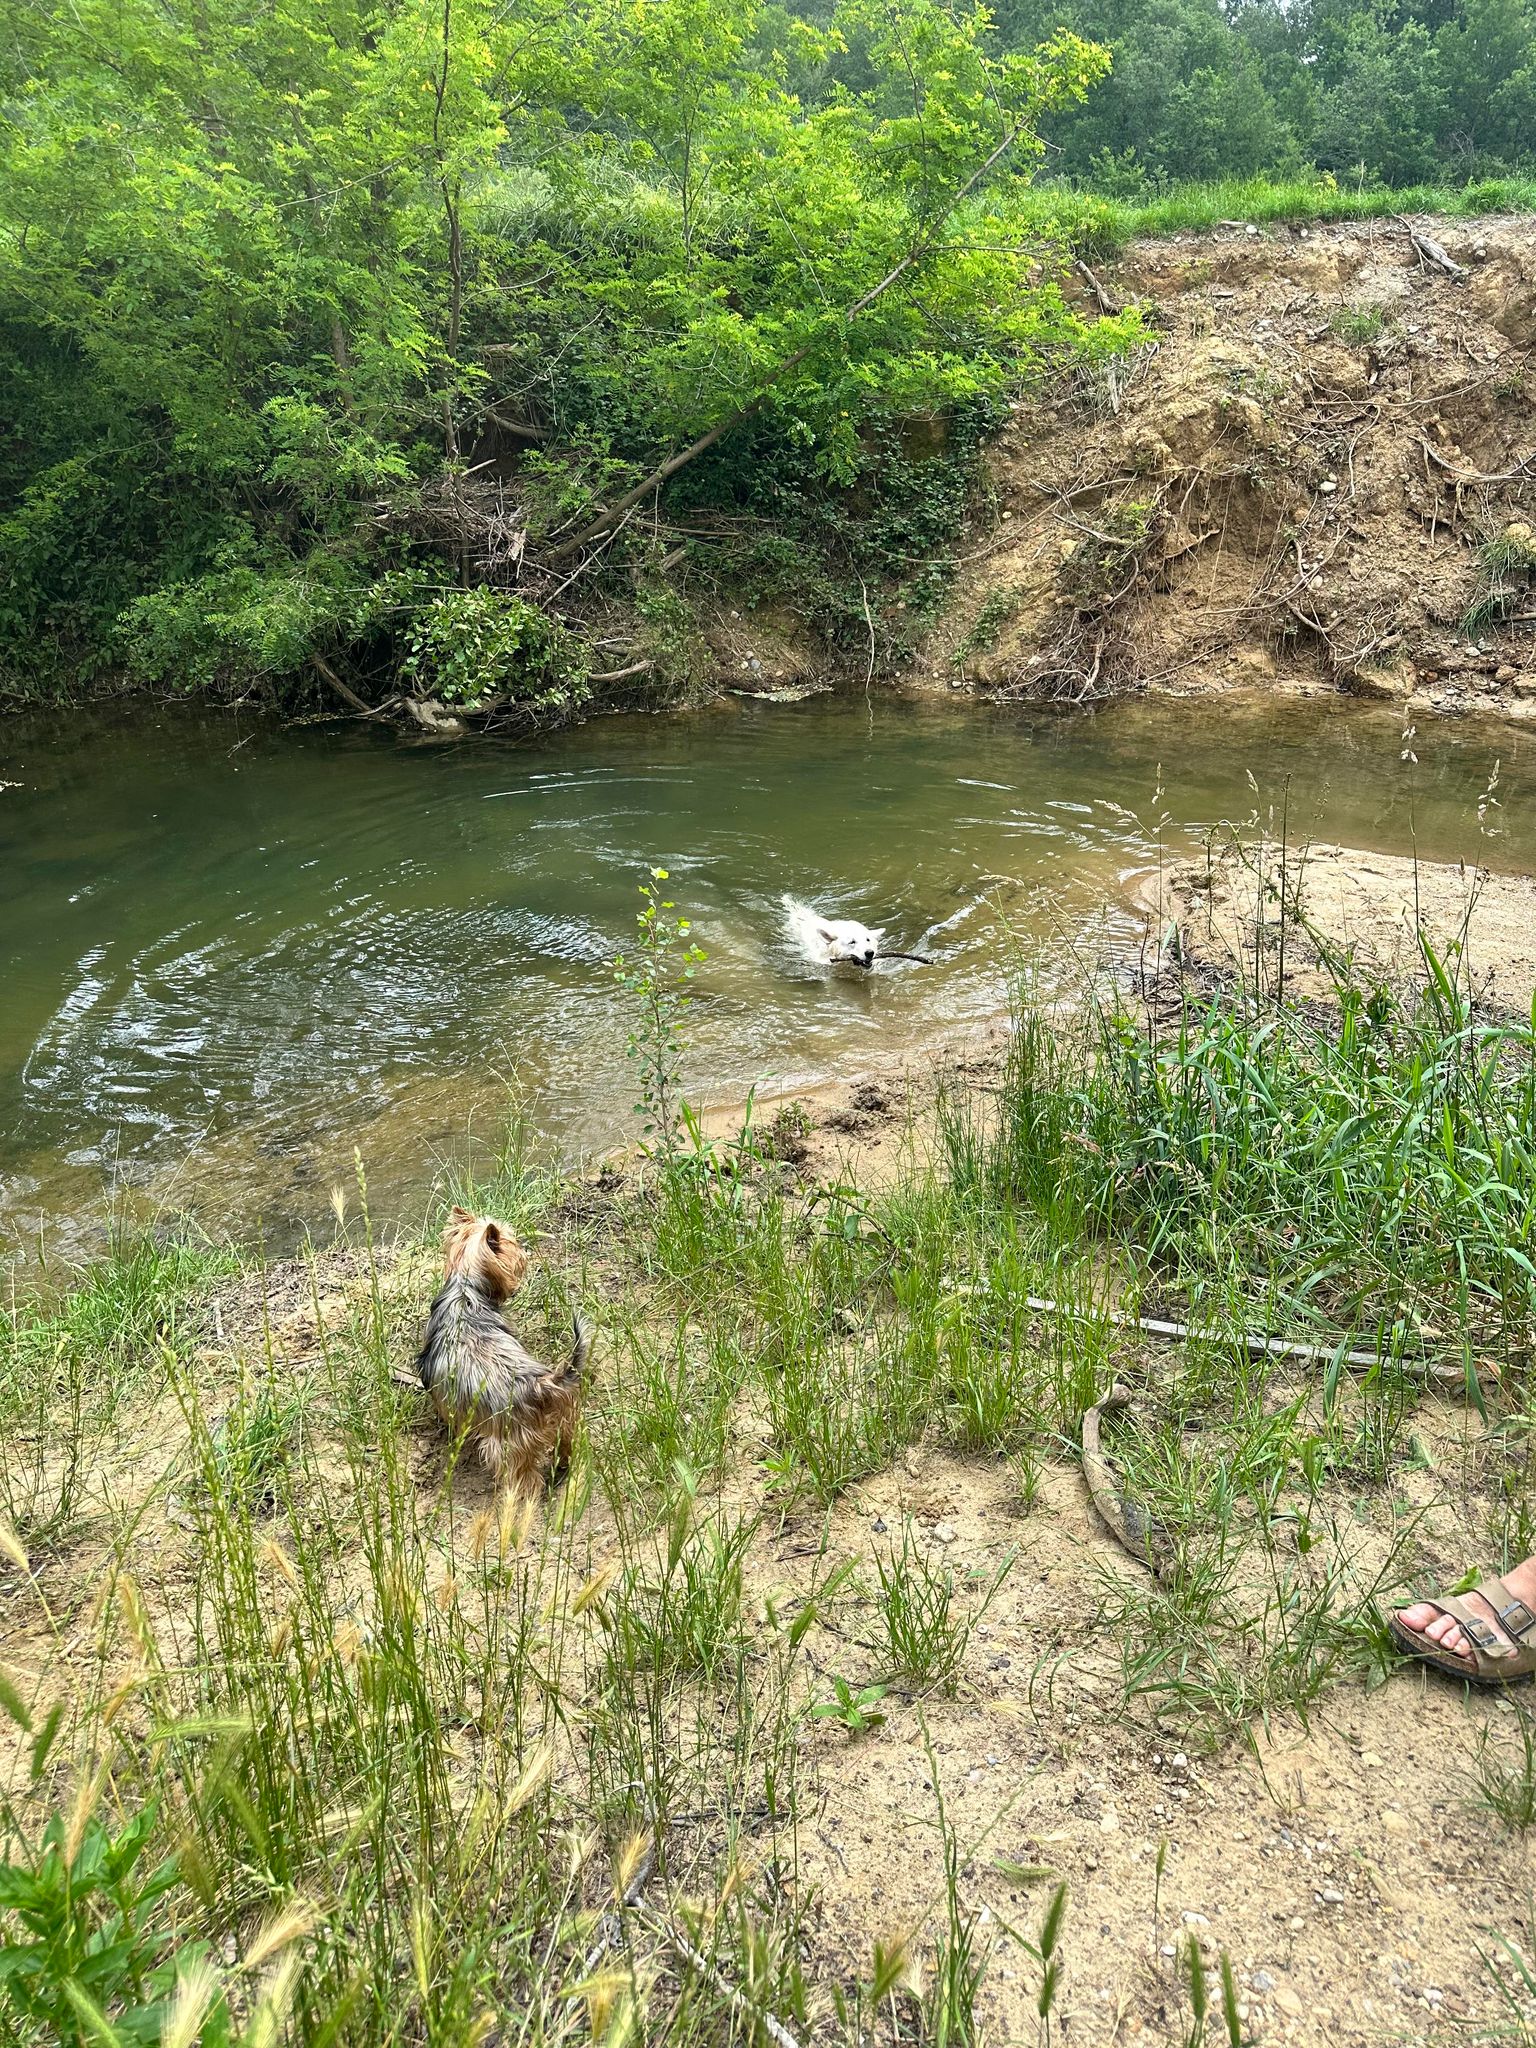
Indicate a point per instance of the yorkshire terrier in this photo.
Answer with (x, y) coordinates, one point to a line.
(520, 1415)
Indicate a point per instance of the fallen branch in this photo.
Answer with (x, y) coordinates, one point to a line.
(1430, 251)
(1477, 476)
(345, 691)
(1249, 1341)
(1106, 305)
(620, 675)
(735, 1997)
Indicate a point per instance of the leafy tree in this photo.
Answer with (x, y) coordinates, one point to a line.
(310, 317)
(1385, 104)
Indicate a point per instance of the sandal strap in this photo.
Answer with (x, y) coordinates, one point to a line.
(1515, 1618)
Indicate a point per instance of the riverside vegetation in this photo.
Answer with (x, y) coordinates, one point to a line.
(308, 1741)
(474, 355)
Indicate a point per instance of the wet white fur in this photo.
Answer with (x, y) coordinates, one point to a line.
(826, 940)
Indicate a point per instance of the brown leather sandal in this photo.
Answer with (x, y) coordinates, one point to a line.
(1495, 1661)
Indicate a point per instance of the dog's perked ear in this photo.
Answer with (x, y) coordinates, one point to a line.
(492, 1238)
(458, 1215)
(825, 933)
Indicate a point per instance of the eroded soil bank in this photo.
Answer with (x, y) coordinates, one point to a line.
(1316, 474)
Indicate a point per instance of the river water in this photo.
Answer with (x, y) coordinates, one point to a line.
(230, 951)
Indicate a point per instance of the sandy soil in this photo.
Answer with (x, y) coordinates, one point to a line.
(1342, 903)
(1288, 487)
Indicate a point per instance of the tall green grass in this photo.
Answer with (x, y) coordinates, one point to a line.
(1366, 1169)
(1093, 225)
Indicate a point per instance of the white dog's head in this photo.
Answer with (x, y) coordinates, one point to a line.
(846, 939)
(829, 940)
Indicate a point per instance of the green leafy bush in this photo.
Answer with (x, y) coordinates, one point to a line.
(87, 1957)
(471, 646)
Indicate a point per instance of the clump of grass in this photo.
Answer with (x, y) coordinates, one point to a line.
(1358, 325)
(926, 1631)
(68, 1362)
(1506, 574)
(1364, 1175)
(113, 1317)
(1506, 1773)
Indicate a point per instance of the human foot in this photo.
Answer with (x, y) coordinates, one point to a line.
(1487, 1633)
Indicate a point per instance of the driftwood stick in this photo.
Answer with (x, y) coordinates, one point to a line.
(344, 691)
(1132, 1528)
(1477, 476)
(620, 675)
(735, 1997)
(1430, 251)
(610, 1932)
(1102, 299)
(1255, 1345)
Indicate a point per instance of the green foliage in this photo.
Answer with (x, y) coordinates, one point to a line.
(656, 977)
(997, 608)
(470, 645)
(288, 310)
(858, 1712)
(87, 1958)
(1439, 91)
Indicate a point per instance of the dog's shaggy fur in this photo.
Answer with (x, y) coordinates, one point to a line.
(520, 1415)
(827, 940)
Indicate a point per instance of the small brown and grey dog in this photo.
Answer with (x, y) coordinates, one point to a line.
(520, 1415)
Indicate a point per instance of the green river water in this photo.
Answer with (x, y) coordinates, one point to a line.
(230, 951)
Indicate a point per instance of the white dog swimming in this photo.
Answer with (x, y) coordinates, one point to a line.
(827, 940)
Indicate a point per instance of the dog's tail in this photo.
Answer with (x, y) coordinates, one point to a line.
(581, 1350)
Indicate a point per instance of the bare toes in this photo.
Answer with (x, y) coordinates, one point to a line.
(1418, 1617)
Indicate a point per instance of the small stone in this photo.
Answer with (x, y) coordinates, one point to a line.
(1263, 1982)
(944, 1532)
(1330, 1898)
(1396, 1823)
(878, 1525)
(1287, 2001)
(1195, 1920)
(1371, 1760)
(1328, 486)
(1296, 1925)
(1167, 1949)
(1109, 1819)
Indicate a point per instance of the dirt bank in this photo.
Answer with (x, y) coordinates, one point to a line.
(1318, 473)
